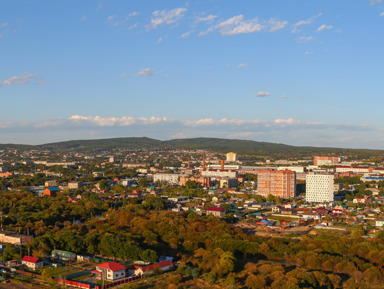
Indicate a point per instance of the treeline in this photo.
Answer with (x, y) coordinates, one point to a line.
(210, 247)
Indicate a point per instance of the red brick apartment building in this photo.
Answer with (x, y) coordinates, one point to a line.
(277, 183)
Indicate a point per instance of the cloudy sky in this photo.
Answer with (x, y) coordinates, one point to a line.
(297, 72)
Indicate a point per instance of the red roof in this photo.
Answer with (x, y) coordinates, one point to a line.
(215, 209)
(96, 271)
(156, 265)
(113, 266)
(30, 259)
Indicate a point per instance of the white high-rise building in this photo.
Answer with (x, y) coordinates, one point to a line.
(319, 188)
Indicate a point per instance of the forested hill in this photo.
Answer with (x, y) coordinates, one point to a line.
(209, 144)
(112, 143)
(264, 148)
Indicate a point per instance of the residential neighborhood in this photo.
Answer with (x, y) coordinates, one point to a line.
(86, 195)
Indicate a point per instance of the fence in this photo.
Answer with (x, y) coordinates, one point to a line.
(123, 281)
(73, 283)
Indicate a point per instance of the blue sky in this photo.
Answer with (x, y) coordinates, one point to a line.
(296, 72)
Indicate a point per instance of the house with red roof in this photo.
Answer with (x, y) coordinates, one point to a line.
(216, 211)
(32, 262)
(110, 271)
(147, 270)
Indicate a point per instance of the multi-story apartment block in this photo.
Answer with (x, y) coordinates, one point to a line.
(168, 178)
(325, 161)
(319, 188)
(277, 183)
(231, 157)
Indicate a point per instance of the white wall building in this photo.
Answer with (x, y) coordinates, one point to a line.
(219, 173)
(231, 157)
(296, 169)
(356, 170)
(169, 178)
(319, 188)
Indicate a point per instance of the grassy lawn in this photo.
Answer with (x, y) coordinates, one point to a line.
(283, 218)
(60, 271)
(100, 282)
(81, 277)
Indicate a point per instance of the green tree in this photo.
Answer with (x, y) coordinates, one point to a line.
(148, 256)
(143, 182)
(11, 252)
(103, 185)
(270, 198)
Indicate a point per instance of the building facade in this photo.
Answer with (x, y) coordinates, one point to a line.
(277, 183)
(32, 262)
(231, 157)
(172, 179)
(14, 238)
(110, 271)
(325, 160)
(319, 188)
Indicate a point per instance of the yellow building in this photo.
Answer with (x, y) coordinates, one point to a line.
(231, 157)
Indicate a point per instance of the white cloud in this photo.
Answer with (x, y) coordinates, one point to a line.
(18, 79)
(308, 52)
(324, 27)
(373, 2)
(207, 19)
(117, 121)
(276, 24)
(241, 65)
(303, 39)
(262, 94)
(83, 18)
(121, 22)
(304, 22)
(145, 72)
(238, 25)
(3, 25)
(166, 17)
(284, 122)
(283, 96)
(133, 26)
(382, 14)
(111, 17)
(133, 14)
(123, 75)
(186, 34)
(159, 40)
(281, 130)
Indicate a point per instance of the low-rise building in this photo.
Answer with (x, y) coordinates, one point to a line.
(51, 184)
(380, 222)
(52, 192)
(63, 255)
(147, 270)
(110, 271)
(32, 262)
(216, 211)
(74, 185)
(14, 238)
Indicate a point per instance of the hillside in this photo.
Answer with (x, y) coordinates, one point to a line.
(210, 144)
(105, 144)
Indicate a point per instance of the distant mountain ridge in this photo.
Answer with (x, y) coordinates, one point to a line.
(211, 144)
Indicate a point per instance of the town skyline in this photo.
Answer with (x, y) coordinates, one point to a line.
(298, 73)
